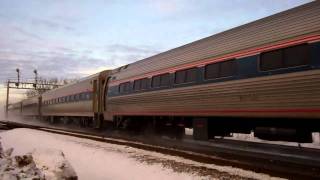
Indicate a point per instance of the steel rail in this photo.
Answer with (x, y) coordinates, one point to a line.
(276, 160)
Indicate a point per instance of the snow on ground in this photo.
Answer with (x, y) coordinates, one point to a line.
(250, 137)
(98, 160)
(53, 164)
(39, 165)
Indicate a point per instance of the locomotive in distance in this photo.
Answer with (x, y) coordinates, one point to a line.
(261, 77)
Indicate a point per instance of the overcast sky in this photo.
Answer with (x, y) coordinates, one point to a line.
(75, 38)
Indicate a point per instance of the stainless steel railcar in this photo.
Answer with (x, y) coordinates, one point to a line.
(82, 100)
(262, 77)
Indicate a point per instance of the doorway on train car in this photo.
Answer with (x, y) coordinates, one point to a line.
(98, 97)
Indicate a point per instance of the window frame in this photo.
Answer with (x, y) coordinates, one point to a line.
(185, 77)
(128, 83)
(283, 60)
(234, 61)
(160, 76)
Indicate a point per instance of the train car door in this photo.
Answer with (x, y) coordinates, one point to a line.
(99, 86)
(39, 107)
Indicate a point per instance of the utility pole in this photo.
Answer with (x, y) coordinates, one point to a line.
(35, 79)
(7, 100)
(18, 71)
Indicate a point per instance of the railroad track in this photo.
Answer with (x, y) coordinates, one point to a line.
(277, 160)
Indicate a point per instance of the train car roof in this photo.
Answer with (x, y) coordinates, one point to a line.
(295, 22)
(76, 82)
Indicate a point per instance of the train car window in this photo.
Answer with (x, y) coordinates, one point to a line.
(140, 84)
(180, 76)
(191, 75)
(164, 80)
(88, 96)
(124, 87)
(121, 88)
(82, 96)
(156, 81)
(76, 97)
(296, 55)
(212, 71)
(271, 60)
(144, 83)
(287, 57)
(127, 87)
(137, 85)
(184, 76)
(227, 68)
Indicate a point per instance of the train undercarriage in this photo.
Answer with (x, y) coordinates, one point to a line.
(205, 128)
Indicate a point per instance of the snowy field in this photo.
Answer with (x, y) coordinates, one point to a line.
(98, 160)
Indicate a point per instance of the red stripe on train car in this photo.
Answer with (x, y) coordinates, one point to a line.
(220, 111)
(245, 53)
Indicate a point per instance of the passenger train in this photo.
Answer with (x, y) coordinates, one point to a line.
(261, 77)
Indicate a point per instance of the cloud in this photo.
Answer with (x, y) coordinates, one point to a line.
(26, 33)
(122, 54)
(166, 6)
(114, 48)
(49, 24)
(67, 62)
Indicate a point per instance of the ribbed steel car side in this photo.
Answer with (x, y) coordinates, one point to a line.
(284, 95)
(74, 108)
